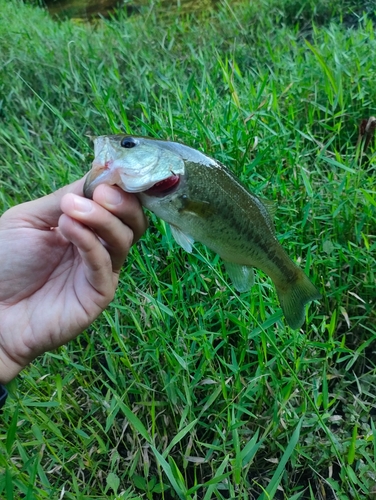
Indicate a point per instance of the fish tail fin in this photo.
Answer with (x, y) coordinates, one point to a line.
(294, 297)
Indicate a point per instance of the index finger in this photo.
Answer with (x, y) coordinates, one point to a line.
(124, 205)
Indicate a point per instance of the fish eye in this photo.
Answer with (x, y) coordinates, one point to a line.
(128, 142)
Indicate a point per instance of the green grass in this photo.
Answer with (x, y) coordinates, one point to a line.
(184, 388)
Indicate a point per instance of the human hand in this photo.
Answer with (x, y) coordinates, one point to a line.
(60, 258)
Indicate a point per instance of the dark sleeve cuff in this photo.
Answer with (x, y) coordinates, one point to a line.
(3, 395)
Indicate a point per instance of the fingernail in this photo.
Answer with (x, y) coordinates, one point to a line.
(82, 204)
(113, 197)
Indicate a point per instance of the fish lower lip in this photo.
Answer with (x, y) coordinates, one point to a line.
(165, 187)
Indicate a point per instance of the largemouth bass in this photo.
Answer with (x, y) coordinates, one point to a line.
(203, 201)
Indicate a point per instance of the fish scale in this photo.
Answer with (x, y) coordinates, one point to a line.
(234, 213)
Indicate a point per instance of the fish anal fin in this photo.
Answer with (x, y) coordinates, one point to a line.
(182, 239)
(242, 277)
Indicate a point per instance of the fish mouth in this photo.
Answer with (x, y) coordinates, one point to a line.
(165, 187)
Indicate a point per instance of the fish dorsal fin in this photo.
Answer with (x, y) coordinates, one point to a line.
(271, 207)
(242, 277)
(182, 239)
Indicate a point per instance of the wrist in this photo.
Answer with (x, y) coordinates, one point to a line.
(9, 368)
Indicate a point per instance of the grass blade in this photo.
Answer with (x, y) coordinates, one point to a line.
(277, 476)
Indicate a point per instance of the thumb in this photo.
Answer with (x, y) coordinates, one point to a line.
(44, 212)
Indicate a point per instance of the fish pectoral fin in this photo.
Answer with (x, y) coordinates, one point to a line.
(182, 239)
(202, 209)
(242, 277)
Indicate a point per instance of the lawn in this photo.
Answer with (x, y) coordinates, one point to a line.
(184, 388)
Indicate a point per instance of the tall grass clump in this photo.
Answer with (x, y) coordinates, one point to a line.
(184, 388)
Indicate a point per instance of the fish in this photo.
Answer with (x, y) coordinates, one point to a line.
(202, 200)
